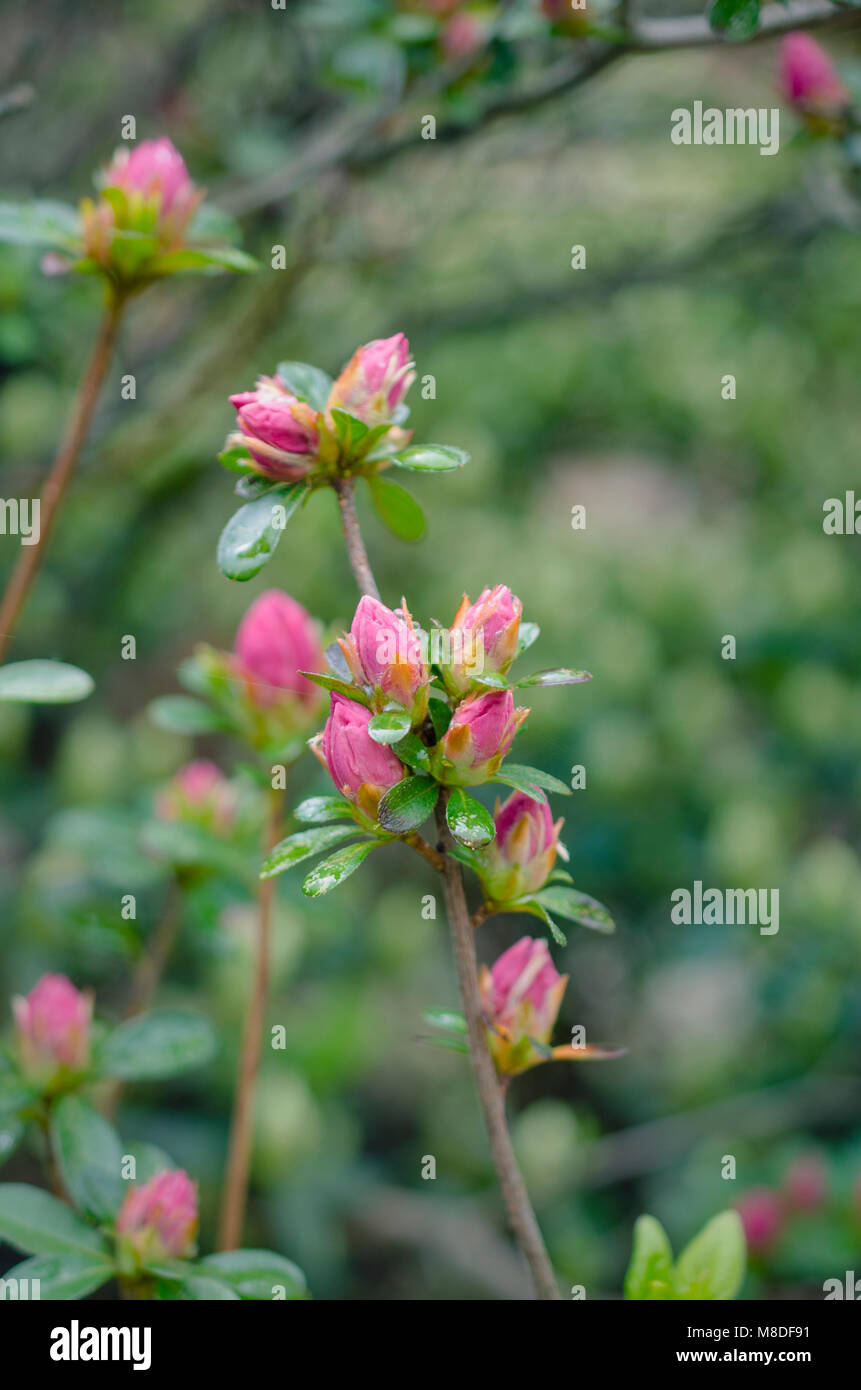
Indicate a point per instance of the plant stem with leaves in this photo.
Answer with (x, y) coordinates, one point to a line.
(491, 1095)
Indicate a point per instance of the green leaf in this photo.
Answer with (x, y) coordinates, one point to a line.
(736, 20)
(528, 778)
(308, 383)
(257, 1274)
(491, 680)
(89, 1155)
(559, 675)
(446, 1041)
(449, 1020)
(713, 1265)
(468, 820)
(431, 458)
(529, 633)
(203, 1290)
(413, 752)
(318, 809)
(342, 687)
(182, 714)
(577, 907)
(408, 804)
(650, 1271)
(331, 872)
(39, 1224)
(251, 536)
(192, 846)
(156, 1045)
(63, 1277)
(538, 909)
(202, 258)
(350, 431)
(211, 225)
(12, 1131)
(302, 845)
(440, 714)
(41, 223)
(390, 726)
(401, 513)
(44, 683)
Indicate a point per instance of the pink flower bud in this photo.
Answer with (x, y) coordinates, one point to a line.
(464, 34)
(360, 768)
(159, 1219)
(484, 635)
(520, 999)
(761, 1212)
(523, 853)
(158, 199)
(53, 1026)
(806, 1182)
(383, 652)
(479, 736)
(199, 794)
(280, 432)
(155, 169)
(276, 640)
(808, 78)
(375, 380)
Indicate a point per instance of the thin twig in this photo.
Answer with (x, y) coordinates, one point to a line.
(235, 1192)
(62, 470)
(358, 556)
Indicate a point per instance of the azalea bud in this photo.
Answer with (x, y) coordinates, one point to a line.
(520, 999)
(276, 640)
(464, 34)
(484, 636)
(383, 652)
(808, 78)
(806, 1182)
(157, 198)
(520, 858)
(199, 794)
(360, 768)
(761, 1212)
(280, 432)
(480, 734)
(375, 380)
(159, 1219)
(53, 1026)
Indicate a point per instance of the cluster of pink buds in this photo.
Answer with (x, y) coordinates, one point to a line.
(384, 654)
(53, 1025)
(145, 190)
(158, 1221)
(520, 996)
(285, 436)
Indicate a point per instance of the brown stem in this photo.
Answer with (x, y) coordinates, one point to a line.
(480, 915)
(344, 488)
(491, 1092)
(235, 1192)
(62, 469)
(490, 1089)
(421, 846)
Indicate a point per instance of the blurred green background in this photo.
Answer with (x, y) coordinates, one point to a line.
(599, 387)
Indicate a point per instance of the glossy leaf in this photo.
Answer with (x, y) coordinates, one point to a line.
(257, 1274)
(302, 845)
(712, 1266)
(44, 683)
(527, 779)
(41, 223)
(408, 804)
(342, 687)
(156, 1045)
(182, 714)
(449, 1020)
(251, 536)
(577, 907)
(413, 752)
(332, 871)
(401, 513)
(558, 675)
(390, 726)
(202, 1290)
(440, 714)
(308, 383)
(650, 1271)
(468, 820)
(431, 458)
(316, 810)
(736, 20)
(39, 1224)
(63, 1277)
(529, 633)
(89, 1156)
